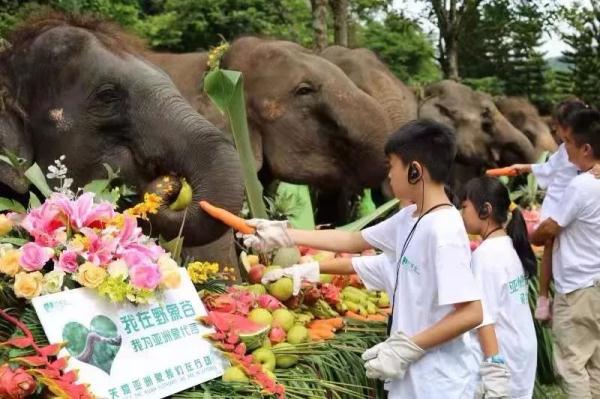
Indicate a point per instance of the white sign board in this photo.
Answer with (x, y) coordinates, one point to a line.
(125, 351)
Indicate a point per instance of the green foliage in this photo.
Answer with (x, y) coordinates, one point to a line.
(403, 46)
(584, 56)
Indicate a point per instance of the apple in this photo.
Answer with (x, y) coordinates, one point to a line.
(265, 357)
(255, 274)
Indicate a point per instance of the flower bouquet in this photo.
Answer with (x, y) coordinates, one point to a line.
(72, 240)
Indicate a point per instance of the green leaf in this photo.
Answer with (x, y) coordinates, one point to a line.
(294, 201)
(96, 186)
(226, 91)
(7, 204)
(220, 87)
(110, 172)
(35, 175)
(174, 247)
(14, 241)
(34, 201)
(378, 213)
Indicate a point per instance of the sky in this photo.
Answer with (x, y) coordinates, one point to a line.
(553, 45)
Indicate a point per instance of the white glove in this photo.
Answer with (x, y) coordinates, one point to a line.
(269, 235)
(495, 381)
(390, 359)
(298, 273)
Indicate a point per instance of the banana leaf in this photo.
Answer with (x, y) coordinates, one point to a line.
(226, 90)
(378, 213)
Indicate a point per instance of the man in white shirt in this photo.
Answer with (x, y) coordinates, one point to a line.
(424, 267)
(576, 263)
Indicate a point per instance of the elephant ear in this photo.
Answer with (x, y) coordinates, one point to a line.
(13, 140)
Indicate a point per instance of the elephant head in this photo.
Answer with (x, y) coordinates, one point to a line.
(310, 124)
(525, 117)
(80, 87)
(485, 138)
(373, 77)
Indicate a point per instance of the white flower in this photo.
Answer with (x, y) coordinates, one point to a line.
(118, 268)
(166, 262)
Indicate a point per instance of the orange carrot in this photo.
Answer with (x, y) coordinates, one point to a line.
(323, 333)
(508, 171)
(355, 316)
(332, 324)
(376, 317)
(235, 222)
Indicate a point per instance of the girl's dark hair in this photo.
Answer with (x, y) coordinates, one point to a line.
(566, 108)
(484, 189)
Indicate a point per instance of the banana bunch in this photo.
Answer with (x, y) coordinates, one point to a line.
(322, 310)
(364, 302)
(304, 317)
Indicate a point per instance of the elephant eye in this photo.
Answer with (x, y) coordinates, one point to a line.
(304, 89)
(108, 95)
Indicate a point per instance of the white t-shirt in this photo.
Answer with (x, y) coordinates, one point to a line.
(554, 175)
(505, 288)
(434, 274)
(576, 252)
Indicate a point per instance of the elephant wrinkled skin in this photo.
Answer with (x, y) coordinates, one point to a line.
(81, 88)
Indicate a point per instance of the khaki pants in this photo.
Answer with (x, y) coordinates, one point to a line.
(576, 329)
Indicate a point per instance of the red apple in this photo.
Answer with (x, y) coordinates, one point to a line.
(255, 274)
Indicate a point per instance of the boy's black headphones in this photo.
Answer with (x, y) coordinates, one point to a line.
(484, 211)
(414, 173)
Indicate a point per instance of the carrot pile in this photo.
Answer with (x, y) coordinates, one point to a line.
(322, 329)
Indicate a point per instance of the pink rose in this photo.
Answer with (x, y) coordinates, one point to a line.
(68, 261)
(15, 384)
(145, 276)
(34, 256)
(134, 258)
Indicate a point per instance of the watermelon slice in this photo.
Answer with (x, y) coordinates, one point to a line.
(250, 333)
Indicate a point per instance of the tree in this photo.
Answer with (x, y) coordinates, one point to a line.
(583, 58)
(403, 46)
(450, 17)
(340, 10)
(319, 23)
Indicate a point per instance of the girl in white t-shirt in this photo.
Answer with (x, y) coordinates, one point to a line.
(554, 175)
(502, 264)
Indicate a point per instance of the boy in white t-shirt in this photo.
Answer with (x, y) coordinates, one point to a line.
(554, 175)
(425, 268)
(576, 263)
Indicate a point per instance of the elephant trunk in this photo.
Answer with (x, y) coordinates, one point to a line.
(207, 159)
(514, 146)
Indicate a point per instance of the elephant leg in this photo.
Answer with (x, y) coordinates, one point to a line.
(221, 251)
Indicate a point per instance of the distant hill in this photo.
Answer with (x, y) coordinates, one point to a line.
(556, 64)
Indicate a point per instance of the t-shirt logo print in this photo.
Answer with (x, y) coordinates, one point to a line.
(409, 265)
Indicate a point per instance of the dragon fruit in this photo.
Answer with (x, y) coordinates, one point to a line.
(269, 302)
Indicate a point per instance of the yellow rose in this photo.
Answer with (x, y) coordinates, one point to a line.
(90, 275)
(6, 225)
(28, 285)
(170, 277)
(9, 263)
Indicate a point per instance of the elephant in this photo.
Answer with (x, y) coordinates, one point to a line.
(81, 87)
(372, 76)
(309, 123)
(525, 117)
(485, 138)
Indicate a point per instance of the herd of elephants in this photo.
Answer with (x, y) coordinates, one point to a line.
(79, 87)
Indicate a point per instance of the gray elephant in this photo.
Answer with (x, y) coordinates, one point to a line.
(309, 123)
(373, 77)
(81, 87)
(485, 138)
(525, 117)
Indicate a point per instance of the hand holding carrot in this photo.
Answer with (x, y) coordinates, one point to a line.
(269, 235)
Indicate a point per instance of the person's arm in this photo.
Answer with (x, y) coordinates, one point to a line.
(463, 318)
(488, 340)
(337, 266)
(330, 240)
(547, 230)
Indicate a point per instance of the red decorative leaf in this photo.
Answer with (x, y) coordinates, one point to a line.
(32, 360)
(50, 350)
(59, 364)
(20, 342)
